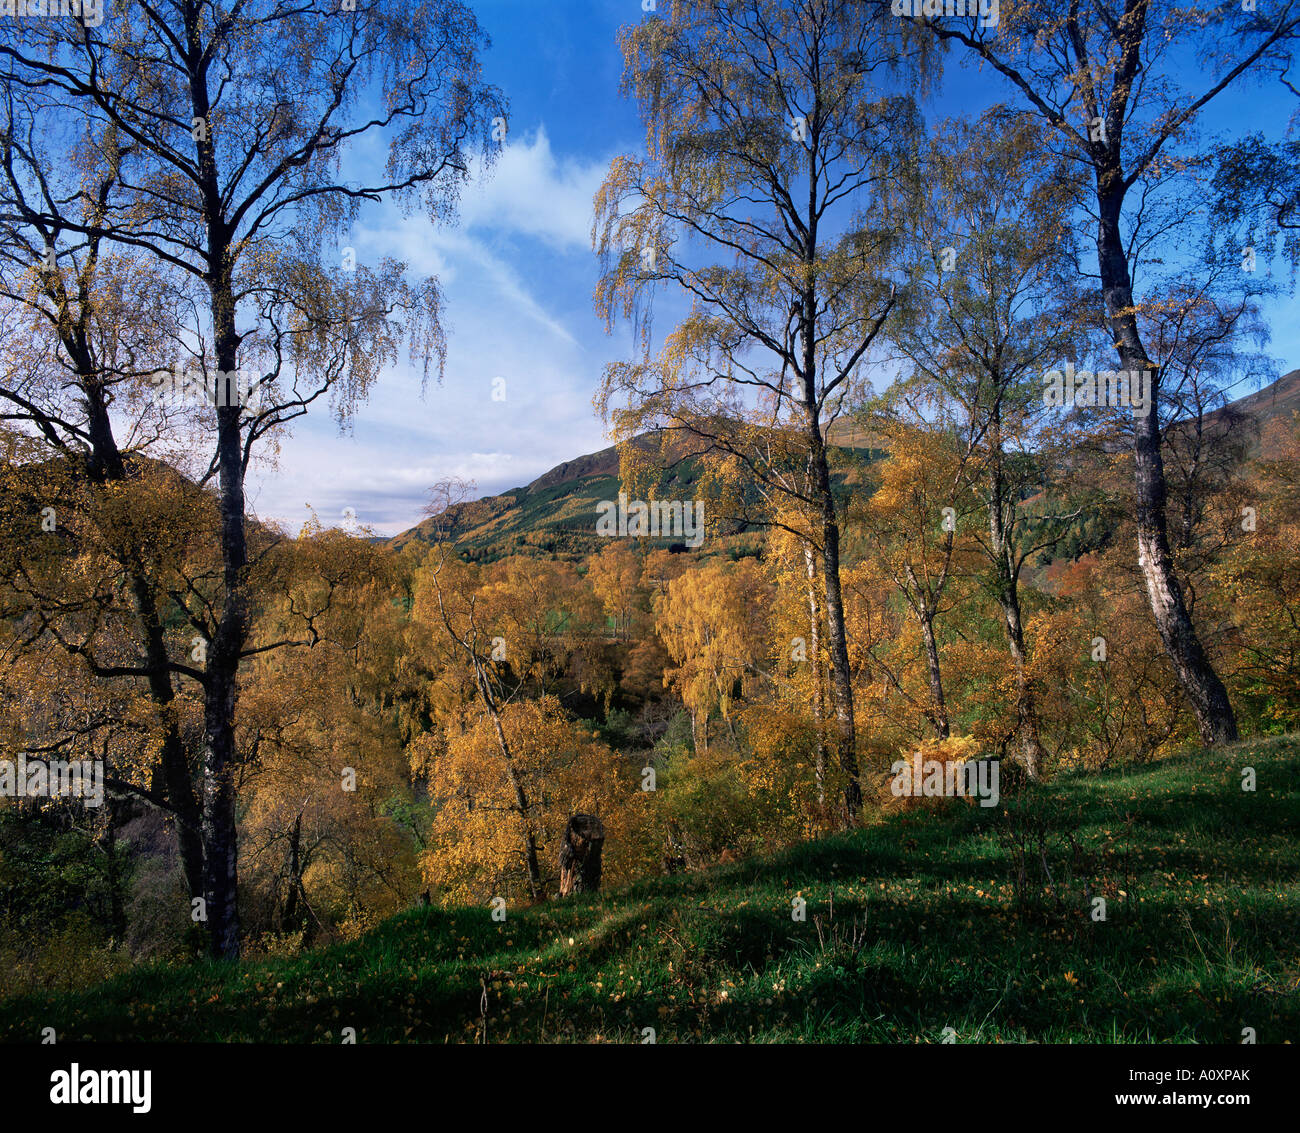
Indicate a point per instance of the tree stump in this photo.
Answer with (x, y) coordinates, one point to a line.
(584, 839)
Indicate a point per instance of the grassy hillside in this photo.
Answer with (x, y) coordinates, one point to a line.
(969, 918)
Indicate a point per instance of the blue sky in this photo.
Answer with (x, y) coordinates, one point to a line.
(518, 273)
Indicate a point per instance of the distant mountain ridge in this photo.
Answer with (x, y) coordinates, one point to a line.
(1278, 399)
(556, 513)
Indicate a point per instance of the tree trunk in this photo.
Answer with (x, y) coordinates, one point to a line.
(178, 789)
(1001, 526)
(700, 730)
(115, 876)
(1204, 689)
(105, 465)
(220, 687)
(580, 854)
(939, 705)
(521, 797)
(220, 868)
(836, 635)
(295, 902)
(1031, 747)
(731, 731)
(815, 659)
(220, 759)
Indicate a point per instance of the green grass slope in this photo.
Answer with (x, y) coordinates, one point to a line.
(979, 920)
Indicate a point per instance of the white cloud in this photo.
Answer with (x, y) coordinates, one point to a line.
(511, 270)
(531, 192)
(503, 280)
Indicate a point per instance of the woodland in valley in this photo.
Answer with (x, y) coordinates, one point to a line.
(844, 302)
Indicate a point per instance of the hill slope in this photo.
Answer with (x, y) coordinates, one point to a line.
(1278, 399)
(920, 922)
(556, 512)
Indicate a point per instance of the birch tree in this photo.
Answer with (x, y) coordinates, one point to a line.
(1122, 84)
(998, 304)
(774, 132)
(242, 118)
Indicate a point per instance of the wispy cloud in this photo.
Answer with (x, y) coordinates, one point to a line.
(516, 271)
(532, 192)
